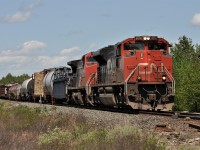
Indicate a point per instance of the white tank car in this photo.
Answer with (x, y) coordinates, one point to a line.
(27, 87)
(48, 83)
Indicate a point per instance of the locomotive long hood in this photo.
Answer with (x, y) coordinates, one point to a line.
(102, 55)
(73, 64)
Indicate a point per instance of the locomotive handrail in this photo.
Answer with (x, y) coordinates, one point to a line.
(128, 78)
(173, 81)
(89, 81)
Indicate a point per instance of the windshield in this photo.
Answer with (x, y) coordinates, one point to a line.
(157, 46)
(134, 46)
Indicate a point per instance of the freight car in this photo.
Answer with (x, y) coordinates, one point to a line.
(136, 73)
(50, 84)
(3, 91)
(27, 90)
(43, 85)
(14, 92)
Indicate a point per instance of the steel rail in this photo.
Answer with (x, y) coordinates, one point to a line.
(173, 114)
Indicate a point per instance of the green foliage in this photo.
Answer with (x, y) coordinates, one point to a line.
(186, 72)
(128, 137)
(9, 115)
(56, 138)
(10, 79)
(28, 128)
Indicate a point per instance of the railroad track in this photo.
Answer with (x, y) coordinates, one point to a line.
(173, 114)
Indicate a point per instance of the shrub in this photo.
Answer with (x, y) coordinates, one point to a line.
(129, 137)
(27, 128)
(56, 138)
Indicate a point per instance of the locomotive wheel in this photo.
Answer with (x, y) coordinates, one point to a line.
(120, 101)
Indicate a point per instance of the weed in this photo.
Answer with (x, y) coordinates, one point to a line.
(56, 138)
(22, 127)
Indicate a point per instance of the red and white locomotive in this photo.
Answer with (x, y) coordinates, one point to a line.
(136, 72)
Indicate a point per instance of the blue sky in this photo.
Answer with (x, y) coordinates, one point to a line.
(38, 34)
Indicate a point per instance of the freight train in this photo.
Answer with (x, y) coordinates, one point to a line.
(134, 73)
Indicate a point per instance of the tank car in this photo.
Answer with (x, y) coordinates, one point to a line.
(27, 89)
(136, 72)
(14, 92)
(48, 84)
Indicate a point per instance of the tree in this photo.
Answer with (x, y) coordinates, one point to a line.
(10, 79)
(186, 73)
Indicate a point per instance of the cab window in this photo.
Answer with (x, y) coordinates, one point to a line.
(134, 46)
(91, 61)
(157, 46)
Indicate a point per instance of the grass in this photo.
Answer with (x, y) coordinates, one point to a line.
(22, 127)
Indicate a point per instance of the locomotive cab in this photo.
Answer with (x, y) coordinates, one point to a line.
(148, 72)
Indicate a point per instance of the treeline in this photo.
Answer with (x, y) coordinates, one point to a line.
(186, 64)
(10, 79)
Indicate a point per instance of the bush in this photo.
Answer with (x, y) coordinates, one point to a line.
(26, 128)
(129, 137)
(55, 139)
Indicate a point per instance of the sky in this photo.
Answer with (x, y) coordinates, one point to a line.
(38, 34)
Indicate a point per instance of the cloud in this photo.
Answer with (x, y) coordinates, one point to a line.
(32, 46)
(196, 19)
(33, 5)
(17, 17)
(32, 56)
(22, 15)
(21, 59)
(61, 58)
(68, 51)
(48, 62)
(12, 59)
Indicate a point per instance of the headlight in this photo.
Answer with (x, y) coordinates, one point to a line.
(146, 38)
(139, 78)
(164, 77)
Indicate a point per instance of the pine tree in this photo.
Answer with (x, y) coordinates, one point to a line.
(10, 79)
(187, 75)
